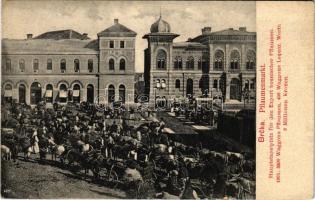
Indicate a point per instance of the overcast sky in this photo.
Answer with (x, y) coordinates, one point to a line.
(185, 18)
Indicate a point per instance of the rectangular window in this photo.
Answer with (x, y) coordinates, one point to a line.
(49, 64)
(8, 65)
(90, 65)
(122, 44)
(111, 44)
(199, 64)
(35, 65)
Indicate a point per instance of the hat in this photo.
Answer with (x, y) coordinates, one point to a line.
(131, 164)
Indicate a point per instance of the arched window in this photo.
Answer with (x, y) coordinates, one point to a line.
(215, 83)
(63, 65)
(177, 83)
(235, 59)
(178, 63)
(163, 84)
(35, 65)
(49, 64)
(8, 65)
(251, 60)
(49, 93)
(157, 83)
(190, 63)
(49, 87)
(76, 93)
(8, 93)
(63, 93)
(76, 65)
(218, 60)
(90, 65)
(111, 94)
(161, 59)
(122, 93)
(22, 65)
(122, 64)
(111, 64)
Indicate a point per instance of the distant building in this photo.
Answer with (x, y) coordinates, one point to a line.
(62, 66)
(221, 63)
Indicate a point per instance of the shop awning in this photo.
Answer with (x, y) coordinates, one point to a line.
(63, 94)
(76, 93)
(7, 93)
(49, 93)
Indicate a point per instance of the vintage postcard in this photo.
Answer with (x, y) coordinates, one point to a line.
(157, 99)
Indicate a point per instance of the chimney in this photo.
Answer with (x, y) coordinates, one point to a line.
(242, 28)
(84, 36)
(206, 30)
(115, 21)
(29, 36)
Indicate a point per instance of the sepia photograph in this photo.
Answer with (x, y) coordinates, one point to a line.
(136, 100)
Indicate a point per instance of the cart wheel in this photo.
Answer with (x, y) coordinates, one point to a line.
(103, 173)
(113, 178)
(69, 159)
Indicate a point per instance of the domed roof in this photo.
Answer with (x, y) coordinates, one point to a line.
(160, 26)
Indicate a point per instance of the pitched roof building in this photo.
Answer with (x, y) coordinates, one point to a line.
(65, 65)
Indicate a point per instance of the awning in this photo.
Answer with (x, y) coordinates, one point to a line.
(63, 94)
(168, 130)
(49, 93)
(7, 93)
(76, 93)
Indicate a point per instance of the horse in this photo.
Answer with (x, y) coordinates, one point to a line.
(25, 146)
(5, 152)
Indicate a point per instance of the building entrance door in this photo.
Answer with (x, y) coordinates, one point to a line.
(90, 94)
(22, 92)
(189, 87)
(235, 89)
(36, 93)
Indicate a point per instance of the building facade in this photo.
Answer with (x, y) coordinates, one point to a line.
(216, 64)
(63, 66)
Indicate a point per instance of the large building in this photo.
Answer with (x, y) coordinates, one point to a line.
(63, 66)
(220, 63)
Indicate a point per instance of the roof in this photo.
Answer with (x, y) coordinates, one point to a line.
(49, 46)
(232, 32)
(189, 45)
(62, 34)
(160, 26)
(226, 32)
(117, 30)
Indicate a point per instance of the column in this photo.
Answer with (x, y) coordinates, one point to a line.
(55, 94)
(228, 81)
(227, 57)
(211, 57)
(243, 58)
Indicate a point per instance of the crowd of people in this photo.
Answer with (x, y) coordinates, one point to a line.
(90, 133)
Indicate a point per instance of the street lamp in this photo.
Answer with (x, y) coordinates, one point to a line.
(245, 95)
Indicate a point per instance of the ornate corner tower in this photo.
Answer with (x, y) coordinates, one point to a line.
(158, 59)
